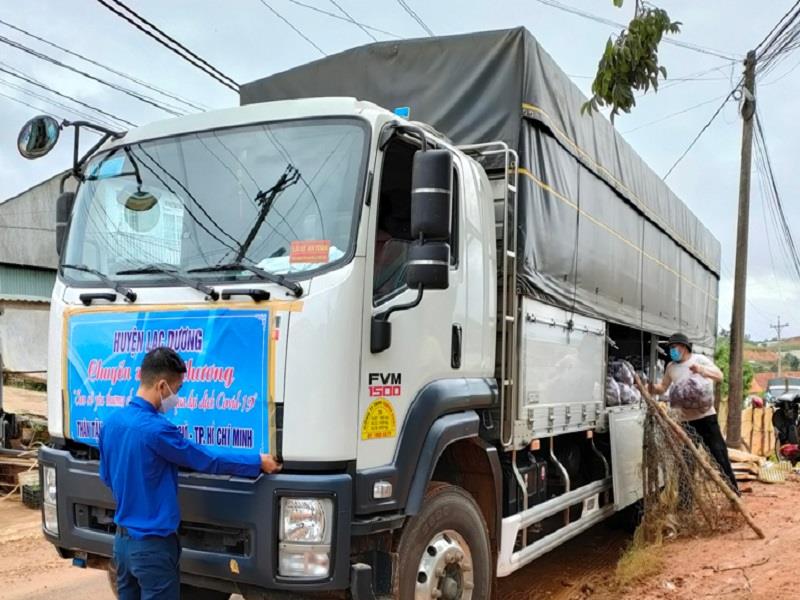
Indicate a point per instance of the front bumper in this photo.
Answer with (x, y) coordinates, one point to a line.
(233, 508)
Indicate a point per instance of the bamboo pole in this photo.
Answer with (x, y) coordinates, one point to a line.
(710, 470)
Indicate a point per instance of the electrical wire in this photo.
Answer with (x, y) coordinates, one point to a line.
(764, 165)
(341, 18)
(675, 114)
(700, 133)
(56, 103)
(111, 70)
(119, 88)
(353, 21)
(294, 28)
(416, 17)
(152, 31)
(587, 15)
(57, 93)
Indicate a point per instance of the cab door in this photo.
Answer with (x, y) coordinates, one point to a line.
(427, 339)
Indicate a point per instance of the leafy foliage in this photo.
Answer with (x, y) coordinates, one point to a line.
(630, 62)
(722, 358)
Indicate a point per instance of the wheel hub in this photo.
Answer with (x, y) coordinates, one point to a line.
(445, 570)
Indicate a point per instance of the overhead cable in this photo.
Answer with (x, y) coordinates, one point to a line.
(111, 70)
(152, 31)
(587, 15)
(292, 25)
(124, 90)
(412, 13)
(341, 18)
(57, 93)
(353, 21)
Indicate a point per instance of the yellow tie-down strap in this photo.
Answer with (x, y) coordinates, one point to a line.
(641, 205)
(611, 230)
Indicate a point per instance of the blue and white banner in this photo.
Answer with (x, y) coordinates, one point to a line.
(224, 401)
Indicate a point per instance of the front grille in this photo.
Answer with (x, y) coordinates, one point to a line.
(193, 536)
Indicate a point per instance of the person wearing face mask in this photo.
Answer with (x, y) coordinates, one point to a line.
(140, 452)
(703, 421)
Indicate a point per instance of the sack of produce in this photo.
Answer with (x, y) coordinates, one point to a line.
(695, 392)
(622, 371)
(612, 392)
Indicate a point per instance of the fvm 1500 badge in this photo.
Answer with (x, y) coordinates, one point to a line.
(385, 384)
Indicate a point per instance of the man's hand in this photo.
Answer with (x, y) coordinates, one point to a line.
(269, 464)
(695, 368)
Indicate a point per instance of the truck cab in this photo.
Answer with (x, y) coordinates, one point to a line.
(295, 220)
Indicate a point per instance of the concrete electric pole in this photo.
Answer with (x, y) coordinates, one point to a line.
(777, 327)
(735, 388)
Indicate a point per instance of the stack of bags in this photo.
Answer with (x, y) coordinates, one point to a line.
(620, 386)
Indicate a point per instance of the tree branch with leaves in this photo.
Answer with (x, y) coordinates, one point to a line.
(630, 62)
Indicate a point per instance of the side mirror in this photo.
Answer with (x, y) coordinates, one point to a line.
(431, 194)
(64, 206)
(428, 265)
(38, 136)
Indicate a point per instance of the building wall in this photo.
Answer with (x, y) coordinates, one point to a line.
(23, 335)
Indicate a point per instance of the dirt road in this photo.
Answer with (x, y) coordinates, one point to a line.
(734, 566)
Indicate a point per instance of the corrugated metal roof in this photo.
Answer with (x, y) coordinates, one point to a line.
(26, 284)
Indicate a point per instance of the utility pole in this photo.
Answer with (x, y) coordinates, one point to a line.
(735, 389)
(777, 327)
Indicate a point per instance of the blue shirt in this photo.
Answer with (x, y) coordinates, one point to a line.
(140, 452)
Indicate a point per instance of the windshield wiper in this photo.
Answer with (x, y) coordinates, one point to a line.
(116, 286)
(176, 276)
(292, 286)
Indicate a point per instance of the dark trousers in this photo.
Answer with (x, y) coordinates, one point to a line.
(147, 569)
(707, 429)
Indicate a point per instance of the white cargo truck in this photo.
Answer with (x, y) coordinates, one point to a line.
(420, 324)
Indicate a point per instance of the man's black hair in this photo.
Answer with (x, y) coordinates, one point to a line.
(161, 362)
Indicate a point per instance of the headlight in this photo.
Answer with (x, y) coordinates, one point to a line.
(49, 499)
(305, 536)
(306, 520)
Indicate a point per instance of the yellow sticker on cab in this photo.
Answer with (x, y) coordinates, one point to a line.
(379, 421)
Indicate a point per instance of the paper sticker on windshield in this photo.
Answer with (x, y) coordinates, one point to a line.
(310, 251)
(379, 422)
(108, 168)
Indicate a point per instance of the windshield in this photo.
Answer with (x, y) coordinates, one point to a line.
(281, 197)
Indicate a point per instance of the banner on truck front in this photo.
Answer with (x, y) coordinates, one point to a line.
(225, 399)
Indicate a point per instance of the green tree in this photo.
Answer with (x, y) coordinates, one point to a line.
(722, 358)
(791, 362)
(630, 62)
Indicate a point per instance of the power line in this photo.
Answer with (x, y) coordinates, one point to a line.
(296, 30)
(135, 19)
(587, 15)
(57, 93)
(700, 133)
(675, 114)
(52, 102)
(415, 16)
(341, 18)
(122, 74)
(353, 21)
(777, 25)
(124, 90)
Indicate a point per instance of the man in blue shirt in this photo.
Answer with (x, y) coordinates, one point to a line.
(140, 452)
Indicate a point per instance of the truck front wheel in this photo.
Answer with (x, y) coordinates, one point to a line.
(444, 551)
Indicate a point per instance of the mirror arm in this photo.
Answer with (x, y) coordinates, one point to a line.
(77, 163)
(398, 307)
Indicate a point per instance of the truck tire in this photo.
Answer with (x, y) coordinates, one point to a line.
(444, 551)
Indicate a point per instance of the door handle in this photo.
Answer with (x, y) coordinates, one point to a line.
(455, 346)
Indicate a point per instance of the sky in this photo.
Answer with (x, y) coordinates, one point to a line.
(246, 40)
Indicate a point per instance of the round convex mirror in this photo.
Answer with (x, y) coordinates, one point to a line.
(38, 136)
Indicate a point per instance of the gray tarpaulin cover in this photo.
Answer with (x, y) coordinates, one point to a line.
(599, 230)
